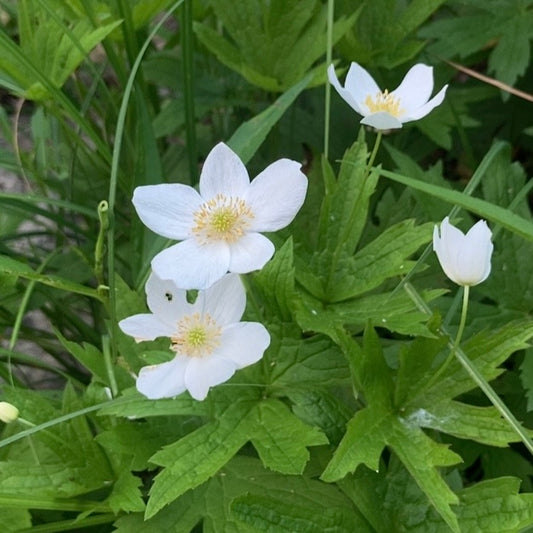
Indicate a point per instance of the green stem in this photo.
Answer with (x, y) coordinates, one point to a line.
(99, 249)
(51, 504)
(72, 525)
(187, 48)
(475, 374)
(449, 359)
(329, 47)
(119, 134)
(60, 419)
(22, 309)
(377, 143)
(109, 366)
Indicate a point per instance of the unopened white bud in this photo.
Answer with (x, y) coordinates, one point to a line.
(8, 413)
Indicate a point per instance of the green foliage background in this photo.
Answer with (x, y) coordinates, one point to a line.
(340, 427)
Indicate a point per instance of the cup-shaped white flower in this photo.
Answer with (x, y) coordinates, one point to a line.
(385, 110)
(207, 336)
(219, 227)
(465, 259)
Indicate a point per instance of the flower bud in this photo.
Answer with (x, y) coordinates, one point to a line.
(8, 413)
(465, 259)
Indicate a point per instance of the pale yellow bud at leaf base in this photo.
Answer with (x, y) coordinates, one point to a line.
(8, 412)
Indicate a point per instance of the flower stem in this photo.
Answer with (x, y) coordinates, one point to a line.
(377, 143)
(329, 46)
(449, 359)
(475, 374)
(99, 250)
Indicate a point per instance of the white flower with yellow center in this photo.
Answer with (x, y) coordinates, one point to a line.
(209, 341)
(384, 110)
(220, 226)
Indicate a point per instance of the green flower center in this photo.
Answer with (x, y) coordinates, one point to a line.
(196, 336)
(223, 218)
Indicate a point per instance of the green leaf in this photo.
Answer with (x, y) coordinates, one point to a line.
(281, 439)
(70, 462)
(378, 425)
(276, 280)
(481, 424)
(241, 476)
(11, 267)
(383, 34)
(392, 310)
(14, 520)
(272, 44)
(250, 135)
(126, 496)
(322, 409)
(180, 516)
(492, 212)
(88, 355)
(363, 443)
(195, 458)
(274, 514)
(149, 436)
(507, 23)
(526, 377)
(385, 257)
(295, 361)
(494, 506)
(139, 406)
(343, 216)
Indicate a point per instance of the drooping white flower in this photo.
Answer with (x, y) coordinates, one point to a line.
(465, 259)
(207, 336)
(385, 110)
(8, 412)
(219, 228)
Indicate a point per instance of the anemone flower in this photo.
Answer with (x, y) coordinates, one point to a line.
(219, 227)
(385, 110)
(207, 337)
(465, 259)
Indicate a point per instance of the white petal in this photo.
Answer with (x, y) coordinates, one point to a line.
(167, 209)
(415, 89)
(205, 372)
(145, 327)
(223, 172)
(382, 121)
(452, 243)
(361, 85)
(165, 299)
(276, 195)
(476, 253)
(447, 248)
(344, 93)
(243, 343)
(192, 266)
(163, 381)
(224, 301)
(426, 108)
(251, 252)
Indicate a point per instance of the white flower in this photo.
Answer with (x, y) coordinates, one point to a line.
(209, 341)
(384, 110)
(219, 227)
(8, 412)
(465, 259)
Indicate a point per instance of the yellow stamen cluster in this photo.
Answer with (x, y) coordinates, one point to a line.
(196, 336)
(384, 102)
(223, 218)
